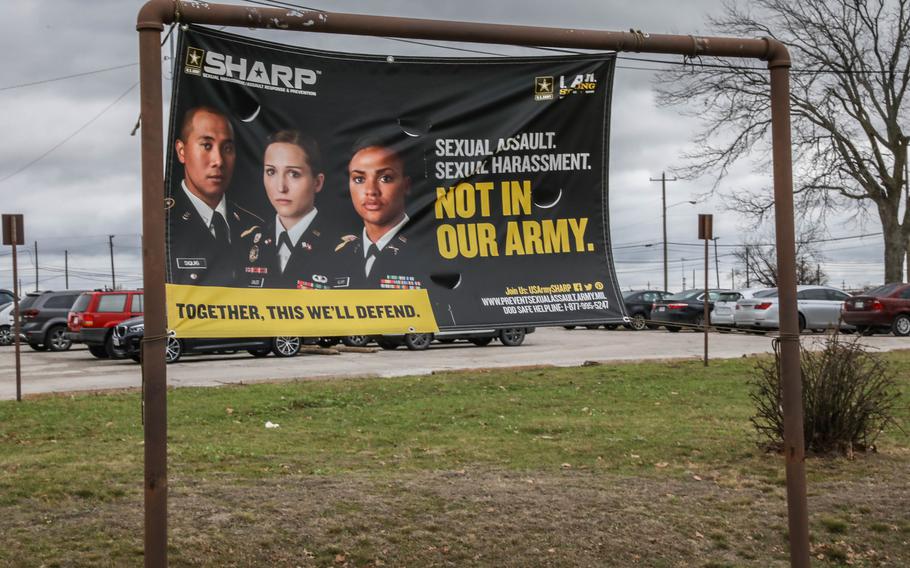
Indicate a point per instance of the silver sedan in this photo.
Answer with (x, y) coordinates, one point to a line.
(819, 308)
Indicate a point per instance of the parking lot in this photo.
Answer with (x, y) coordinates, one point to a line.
(76, 370)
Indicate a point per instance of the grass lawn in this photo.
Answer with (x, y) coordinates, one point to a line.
(649, 464)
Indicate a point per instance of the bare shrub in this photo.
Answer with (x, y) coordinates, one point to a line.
(849, 395)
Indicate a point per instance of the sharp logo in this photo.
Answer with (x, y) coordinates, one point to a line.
(586, 84)
(216, 65)
(257, 71)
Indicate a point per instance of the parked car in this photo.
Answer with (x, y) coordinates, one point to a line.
(6, 296)
(725, 306)
(638, 307)
(93, 317)
(43, 319)
(6, 323)
(686, 308)
(819, 308)
(128, 335)
(510, 336)
(886, 308)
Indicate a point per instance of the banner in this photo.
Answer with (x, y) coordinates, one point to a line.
(314, 193)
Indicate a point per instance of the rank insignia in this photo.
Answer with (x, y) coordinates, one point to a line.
(187, 216)
(306, 246)
(254, 253)
(344, 241)
(402, 238)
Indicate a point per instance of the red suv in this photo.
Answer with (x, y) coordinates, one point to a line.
(95, 314)
(882, 309)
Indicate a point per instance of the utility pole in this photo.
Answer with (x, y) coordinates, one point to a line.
(717, 264)
(663, 199)
(747, 267)
(66, 268)
(36, 266)
(110, 240)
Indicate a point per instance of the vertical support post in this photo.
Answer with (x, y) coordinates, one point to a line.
(154, 372)
(66, 268)
(663, 201)
(36, 266)
(16, 316)
(707, 315)
(717, 264)
(110, 241)
(791, 383)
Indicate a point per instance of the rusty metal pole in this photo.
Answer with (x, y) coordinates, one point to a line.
(16, 315)
(791, 382)
(154, 373)
(707, 315)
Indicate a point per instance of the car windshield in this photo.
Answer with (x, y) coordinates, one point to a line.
(28, 301)
(81, 303)
(769, 293)
(685, 295)
(628, 295)
(883, 290)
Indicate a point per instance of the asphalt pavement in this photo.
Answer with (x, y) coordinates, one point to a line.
(78, 370)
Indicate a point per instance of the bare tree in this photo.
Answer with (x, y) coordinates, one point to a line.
(850, 76)
(760, 261)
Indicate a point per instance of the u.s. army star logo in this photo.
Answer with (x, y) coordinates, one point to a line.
(543, 88)
(194, 58)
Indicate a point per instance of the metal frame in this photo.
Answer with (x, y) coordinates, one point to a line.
(155, 14)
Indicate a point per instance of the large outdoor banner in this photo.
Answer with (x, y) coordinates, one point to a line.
(314, 193)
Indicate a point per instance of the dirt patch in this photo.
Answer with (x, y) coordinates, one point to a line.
(472, 518)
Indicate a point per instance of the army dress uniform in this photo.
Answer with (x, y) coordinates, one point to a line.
(395, 264)
(198, 257)
(306, 268)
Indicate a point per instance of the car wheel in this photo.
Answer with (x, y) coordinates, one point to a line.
(481, 341)
(592, 326)
(98, 351)
(418, 341)
(259, 352)
(389, 344)
(285, 346)
(56, 340)
(901, 325)
(173, 350)
(639, 322)
(672, 328)
(802, 323)
(6, 335)
(512, 336)
(328, 341)
(356, 340)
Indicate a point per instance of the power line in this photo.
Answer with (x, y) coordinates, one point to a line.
(65, 77)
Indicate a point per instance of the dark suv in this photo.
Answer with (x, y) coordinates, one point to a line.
(43, 319)
(128, 337)
(94, 315)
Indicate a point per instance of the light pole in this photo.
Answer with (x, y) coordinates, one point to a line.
(664, 217)
(663, 200)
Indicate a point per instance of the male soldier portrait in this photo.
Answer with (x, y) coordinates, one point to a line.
(205, 229)
(378, 256)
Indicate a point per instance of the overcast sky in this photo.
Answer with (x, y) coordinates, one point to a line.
(70, 165)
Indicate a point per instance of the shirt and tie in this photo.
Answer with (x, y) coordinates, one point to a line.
(372, 251)
(287, 239)
(214, 219)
